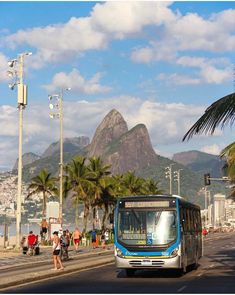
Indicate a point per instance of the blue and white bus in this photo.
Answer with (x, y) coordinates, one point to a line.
(161, 231)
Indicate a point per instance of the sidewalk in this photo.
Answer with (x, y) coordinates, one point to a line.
(20, 269)
(11, 258)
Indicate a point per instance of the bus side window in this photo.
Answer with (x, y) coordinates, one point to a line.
(189, 221)
(194, 215)
(185, 220)
(181, 218)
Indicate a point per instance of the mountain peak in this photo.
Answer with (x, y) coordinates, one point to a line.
(27, 158)
(112, 127)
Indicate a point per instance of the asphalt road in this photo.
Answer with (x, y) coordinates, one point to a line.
(216, 274)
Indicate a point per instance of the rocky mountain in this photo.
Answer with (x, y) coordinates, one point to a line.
(201, 162)
(70, 145)
(27, 158)
(51, 156)
(124, 150)
(110, 129)
(127, 150)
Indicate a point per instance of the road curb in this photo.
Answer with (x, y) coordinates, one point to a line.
(12, 282)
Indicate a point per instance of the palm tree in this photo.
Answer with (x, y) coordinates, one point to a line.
(43, 184)
(220, 112)
(107, 198)
(97, 167)
(132, 184)
(151, 187)
(79, 184)
(229, 154)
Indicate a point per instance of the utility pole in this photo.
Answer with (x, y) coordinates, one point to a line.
(22, 102)
(177, 178)
(168, 174)
(61, 164)
(59, 114)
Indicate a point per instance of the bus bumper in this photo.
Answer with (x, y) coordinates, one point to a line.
(125, 262)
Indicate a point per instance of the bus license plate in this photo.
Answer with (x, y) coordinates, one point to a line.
(146, 262)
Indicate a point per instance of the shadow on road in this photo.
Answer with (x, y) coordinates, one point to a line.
(149, 273)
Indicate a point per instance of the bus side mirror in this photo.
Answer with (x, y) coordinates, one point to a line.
(111, 218)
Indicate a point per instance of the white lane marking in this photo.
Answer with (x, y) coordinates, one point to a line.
(181, 289)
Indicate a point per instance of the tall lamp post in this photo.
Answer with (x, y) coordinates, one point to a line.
(177, 178)
(16, 72)
(168, 174)
(59, 114)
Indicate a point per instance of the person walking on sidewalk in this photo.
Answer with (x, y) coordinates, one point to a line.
(76, 238)
(93, 238)
(56, 251)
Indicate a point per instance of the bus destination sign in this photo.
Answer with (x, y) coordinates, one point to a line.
(147, 204)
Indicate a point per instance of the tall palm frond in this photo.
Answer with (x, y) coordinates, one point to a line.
(45, 184)
(79, 182)
(220, 112)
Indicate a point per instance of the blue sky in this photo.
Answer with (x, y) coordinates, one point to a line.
(158, 63)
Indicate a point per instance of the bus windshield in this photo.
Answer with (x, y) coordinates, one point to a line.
(147, 228)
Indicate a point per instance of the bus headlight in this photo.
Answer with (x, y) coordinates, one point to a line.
(119, 253)
(175, 252)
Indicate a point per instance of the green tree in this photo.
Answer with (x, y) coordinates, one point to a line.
(151, 187)
(221, 112)
(43, 184)
(131, 185)
(99, 170)
(107, 198)
(229, 154)
(79, 183)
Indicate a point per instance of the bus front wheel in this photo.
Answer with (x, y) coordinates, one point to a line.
(130, 272)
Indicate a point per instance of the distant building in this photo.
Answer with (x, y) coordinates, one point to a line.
(210, 215)
(219, 210)
(52, 210)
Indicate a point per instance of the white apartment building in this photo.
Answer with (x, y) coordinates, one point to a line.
(219, 210)
(52, 210)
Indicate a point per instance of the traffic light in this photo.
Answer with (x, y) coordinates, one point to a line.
(207, 180)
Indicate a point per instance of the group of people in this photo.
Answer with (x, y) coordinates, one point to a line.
(61, 241)
(104, 238)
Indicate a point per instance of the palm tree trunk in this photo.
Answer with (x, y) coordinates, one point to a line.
(86, 214)
(94, 217)
(76, 215)
(105, 216)
(43, 204)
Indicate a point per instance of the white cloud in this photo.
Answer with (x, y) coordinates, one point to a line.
(77, 82)
(213, 149)
(3, 68)
(107, 21)
(191, 32)
(211, 71)
(178, 79)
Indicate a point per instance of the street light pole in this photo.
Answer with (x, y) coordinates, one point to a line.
(177, 178)
(61, 154)
(168, 174)
(22, 101)
(59, 115)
